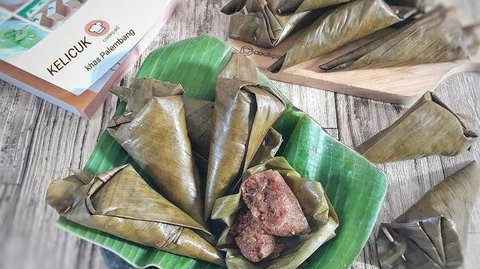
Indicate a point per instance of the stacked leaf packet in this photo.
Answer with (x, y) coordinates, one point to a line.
(432, 233)
(195, 169)
(428, 128)
(341, 35)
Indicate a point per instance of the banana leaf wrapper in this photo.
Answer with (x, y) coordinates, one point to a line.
(157, 139)
(428, 128)
(315, 205)
(341, 26)
(198, 112)
(437, 37)
(143, 90)
(121, 203)
(243, 115)
(432, 233)
(286, 7)
(258, 24)
(240, 67)
(422, 5)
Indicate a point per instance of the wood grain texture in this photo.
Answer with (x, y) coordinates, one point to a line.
(38, 141)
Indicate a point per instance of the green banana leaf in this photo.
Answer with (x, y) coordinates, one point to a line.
(341, 26)
(355, 186)
(432, 233)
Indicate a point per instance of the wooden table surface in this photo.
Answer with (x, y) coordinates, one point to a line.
(38, 141)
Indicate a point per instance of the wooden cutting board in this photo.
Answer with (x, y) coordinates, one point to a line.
(402, 85)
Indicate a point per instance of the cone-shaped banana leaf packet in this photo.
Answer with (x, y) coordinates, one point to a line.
(341, 26)
(198, 112)
(157, 139)
(286, 7)
(260, 25)
(315, 205)
(428, 128)
(243, 115)
(121, 203)
(437, 37)
(433, 232)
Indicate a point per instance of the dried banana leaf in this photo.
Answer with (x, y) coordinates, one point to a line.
(438, 37)
(429, 127)
(157, 139)
(121, 203)
(199, 125)
(269, 147)
(315, 205)
(198, 112)
(341, 26)
(298, 6)
(144, 89)
(432, 233)
(421, 5)
(243, 115)
(259, 25)
(240, 67)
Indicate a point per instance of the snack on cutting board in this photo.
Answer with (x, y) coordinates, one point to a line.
(353, 35)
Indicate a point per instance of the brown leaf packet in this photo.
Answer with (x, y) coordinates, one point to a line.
(428, 128)
(243, 115)
(260, 25)
(433, 232)
(143, 90)
(436, 37)
(157, 139)
(285, 7)
(119, 202)
(241, 68)
(198, 113)
(421, 5)
(314, 203)
(341, 26)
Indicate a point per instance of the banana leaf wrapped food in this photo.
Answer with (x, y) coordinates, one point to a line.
(421, 5)
(298, 6)
(436, 37)
(156, 137)
(433, 232)
(428, 128)
(198, 112)
(341, 26)
(260, 25)
(121, 203)
(274, 200)
(243, 115)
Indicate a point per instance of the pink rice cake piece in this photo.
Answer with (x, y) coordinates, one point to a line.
(254, 242)
(273, 204)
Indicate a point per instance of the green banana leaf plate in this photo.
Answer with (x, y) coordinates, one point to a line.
(355, 187)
